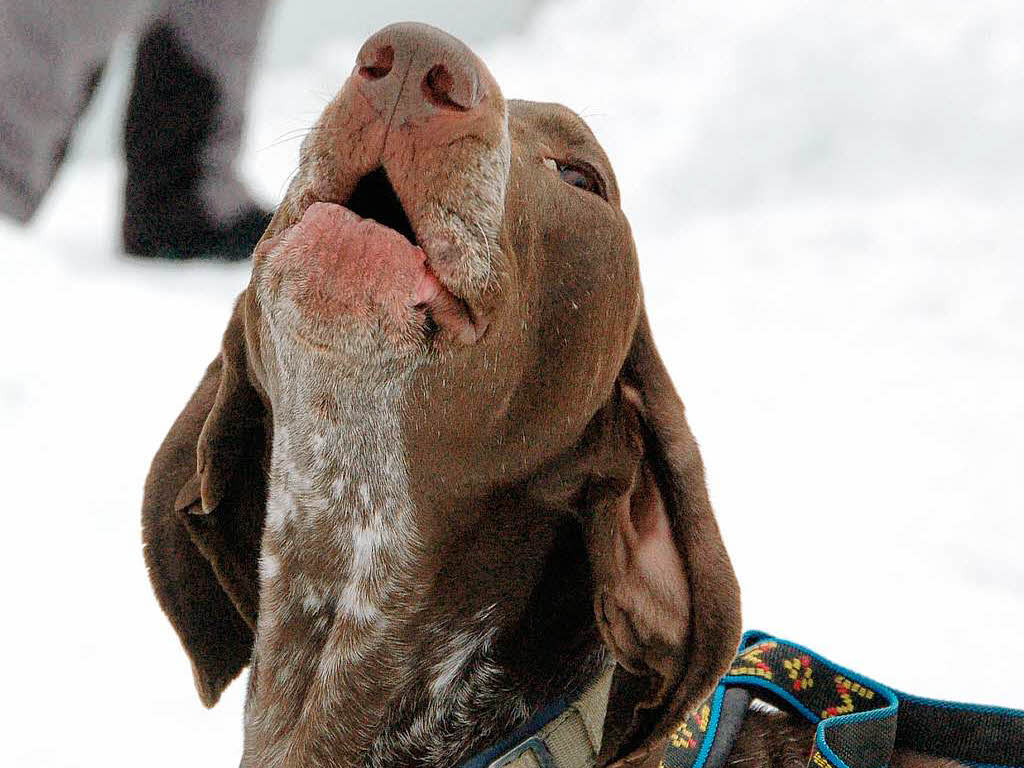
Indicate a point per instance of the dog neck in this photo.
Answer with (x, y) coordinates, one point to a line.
(359, 659)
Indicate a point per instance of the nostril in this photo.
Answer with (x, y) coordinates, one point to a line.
(380, 65)
(438, 88)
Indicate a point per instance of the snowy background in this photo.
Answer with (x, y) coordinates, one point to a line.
(827, 200)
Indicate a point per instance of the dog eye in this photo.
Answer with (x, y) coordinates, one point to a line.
(579, 175)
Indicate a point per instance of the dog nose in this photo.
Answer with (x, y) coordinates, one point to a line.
(413, 71)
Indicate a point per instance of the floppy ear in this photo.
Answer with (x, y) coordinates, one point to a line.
(202, 517)
(665, 595)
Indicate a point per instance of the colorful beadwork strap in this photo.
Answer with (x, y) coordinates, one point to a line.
(859, 721)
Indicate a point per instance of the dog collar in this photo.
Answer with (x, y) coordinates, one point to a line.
(565, 735)
(859, 722)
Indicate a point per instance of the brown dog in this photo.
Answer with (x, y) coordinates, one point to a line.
(438, 471)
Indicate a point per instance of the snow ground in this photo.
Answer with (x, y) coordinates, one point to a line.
(827, 203)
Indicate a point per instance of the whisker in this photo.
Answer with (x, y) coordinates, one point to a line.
(490, 257)
(285, 138)
(287, 182)
(324, 96)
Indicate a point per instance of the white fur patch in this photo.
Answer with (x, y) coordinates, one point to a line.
(270, 566)
(312, 602)
(364, 494)
(366, 541)
(278, 506)
(354, 603)
(461, 650)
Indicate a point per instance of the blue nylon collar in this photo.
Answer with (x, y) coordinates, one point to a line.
(860, 722)
(542, 718)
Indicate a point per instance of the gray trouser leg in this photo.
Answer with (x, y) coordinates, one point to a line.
(222, 37)
(50, 55)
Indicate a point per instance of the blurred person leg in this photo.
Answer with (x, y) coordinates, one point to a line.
(51, 57)
(183, 132)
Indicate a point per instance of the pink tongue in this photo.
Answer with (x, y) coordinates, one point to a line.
(334, 231)
(354, 264)
(348, 265)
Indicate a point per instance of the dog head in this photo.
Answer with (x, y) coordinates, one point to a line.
(461, 263)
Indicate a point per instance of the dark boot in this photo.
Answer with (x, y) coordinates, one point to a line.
(171, 115)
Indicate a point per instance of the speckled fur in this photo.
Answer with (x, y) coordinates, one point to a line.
(342, 558)
(336, 557)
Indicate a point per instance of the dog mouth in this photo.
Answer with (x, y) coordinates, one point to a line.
(375, 198)
(440, 311)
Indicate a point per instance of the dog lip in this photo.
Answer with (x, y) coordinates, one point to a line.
(443, 299)
(448, 310)
(375, 196)
(433, 295)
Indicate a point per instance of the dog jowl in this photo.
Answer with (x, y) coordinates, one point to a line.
(438, 474)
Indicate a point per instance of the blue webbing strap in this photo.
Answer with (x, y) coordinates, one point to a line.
(859, 721)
